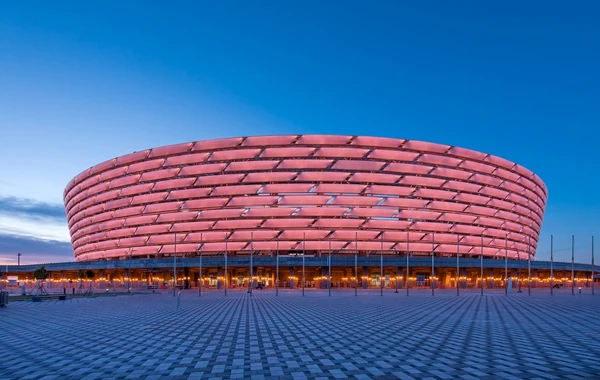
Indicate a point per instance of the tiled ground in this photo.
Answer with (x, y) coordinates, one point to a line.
(295, 337)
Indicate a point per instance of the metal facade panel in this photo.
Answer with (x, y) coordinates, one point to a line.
(291, 186)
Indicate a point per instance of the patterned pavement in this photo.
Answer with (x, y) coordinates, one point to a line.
(145, 336)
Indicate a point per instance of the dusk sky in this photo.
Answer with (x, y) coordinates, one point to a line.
(82, 82)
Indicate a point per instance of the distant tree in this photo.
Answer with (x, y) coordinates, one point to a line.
(90, 274)
(41, 274)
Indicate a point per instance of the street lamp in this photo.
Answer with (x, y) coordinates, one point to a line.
(277, 269)
(226, 249)
(303, 262)
(174, 263)
(397, 271)
(200, 280)
(356, 265)
(506, 264)
(381, 268)
(129, 272)
(329, 265)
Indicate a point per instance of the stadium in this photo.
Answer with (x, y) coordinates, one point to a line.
(307, 193)
(304, 197)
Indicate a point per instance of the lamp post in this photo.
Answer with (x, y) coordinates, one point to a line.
(529, 267)
(592, 265)
(18, 259)
(174, 263)
(277, 269)
(381, 268)
(251, 249)
(519, 274)
(481, 264)
(407, 262)
(329, 265)
(397, 267)
(129, 272)
(200, 279)
(457, 264)
(551, 265)
(506, 265)
(225, 277)
(356, 265)
(303, 261)
(432, 263)
(572, 265)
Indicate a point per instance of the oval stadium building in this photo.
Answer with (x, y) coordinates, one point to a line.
(305, 193)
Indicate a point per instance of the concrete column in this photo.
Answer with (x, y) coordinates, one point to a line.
(324, 273)
(365, 281)
(491, 282)
(292, 273)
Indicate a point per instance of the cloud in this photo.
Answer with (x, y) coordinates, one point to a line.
(21, 217)
(31, 208)
(33, 250)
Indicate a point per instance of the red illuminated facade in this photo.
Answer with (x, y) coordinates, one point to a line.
(311, 192)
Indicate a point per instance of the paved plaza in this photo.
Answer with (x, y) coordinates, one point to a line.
(145, 336)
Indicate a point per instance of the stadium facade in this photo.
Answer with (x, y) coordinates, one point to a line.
(308, 194)
(307, 211)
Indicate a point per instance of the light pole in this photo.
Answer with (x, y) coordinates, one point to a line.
(329, 272)
(303, 261)
(529, 267)
(18, 259)
(407, 262)
(174, 263)
(572, 265)
(481, 264)
(129, 272)
(225, 281)
(457, 264)
(251, 249)
(432, 263)
(519, 274)
(397, 267)
(592, 265)
(381, 268)
(551, 265)
(277, 269)
(200, 279)
(506, 265)
(356, 265)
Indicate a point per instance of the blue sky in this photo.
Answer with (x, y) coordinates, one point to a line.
(81, 82)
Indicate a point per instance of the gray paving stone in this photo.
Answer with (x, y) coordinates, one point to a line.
(311, 337)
